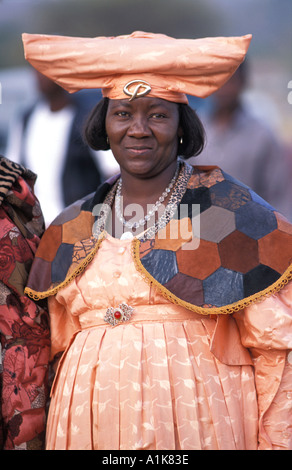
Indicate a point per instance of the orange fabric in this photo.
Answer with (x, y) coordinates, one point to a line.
(73, 232)
(273, 243)
(176, 234)
(237, 250)
(168, 378)
(172, 67)
(49, 252)
(207, 257)
(266, 329)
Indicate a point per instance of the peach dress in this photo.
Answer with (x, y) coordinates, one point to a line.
(167, 378)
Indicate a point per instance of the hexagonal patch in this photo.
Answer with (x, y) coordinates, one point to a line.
(259, 279)
(199, 196)
(204, 260)
(174, 235)
(229, 195)
(254, 220)
(161, 264)
(186, 288)
(205, 176)
(47, 250)
(239, 252)
(61, 262)
(216, 223)
(223, 287)
(73, 230)
(271, 250)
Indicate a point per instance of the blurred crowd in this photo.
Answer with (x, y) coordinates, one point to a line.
(246, 146)
(47, 138)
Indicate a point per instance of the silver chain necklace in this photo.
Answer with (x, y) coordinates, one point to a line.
(103, 215)
(154, 208)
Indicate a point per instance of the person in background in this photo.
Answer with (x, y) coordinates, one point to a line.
(47, 139)
(244, 146)
(24, 325)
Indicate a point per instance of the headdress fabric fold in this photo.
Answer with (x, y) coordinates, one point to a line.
(171, 68)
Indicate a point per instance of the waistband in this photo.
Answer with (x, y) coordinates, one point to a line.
(124, 313)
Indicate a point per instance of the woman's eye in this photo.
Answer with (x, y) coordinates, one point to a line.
(158, 116)
(122, 113)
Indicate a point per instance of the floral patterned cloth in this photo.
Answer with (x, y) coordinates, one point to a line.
(23, 325)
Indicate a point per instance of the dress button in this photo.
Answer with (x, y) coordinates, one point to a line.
(117, 274)
(121, 250)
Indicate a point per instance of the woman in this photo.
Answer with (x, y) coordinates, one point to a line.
(167, 340)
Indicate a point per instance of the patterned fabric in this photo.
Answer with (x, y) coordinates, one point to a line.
(23, 325)
(242, 252)
(167, 378)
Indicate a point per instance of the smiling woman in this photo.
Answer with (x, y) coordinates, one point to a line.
(169, 336)
(192, 130)
(143, 135)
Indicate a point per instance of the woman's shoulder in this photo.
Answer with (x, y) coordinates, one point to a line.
(223, 190)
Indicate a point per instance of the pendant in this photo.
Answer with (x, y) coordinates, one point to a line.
(127, 236)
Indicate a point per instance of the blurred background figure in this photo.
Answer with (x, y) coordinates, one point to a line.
(47, 139)
(245, 146)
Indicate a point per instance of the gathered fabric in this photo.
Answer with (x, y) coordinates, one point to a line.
(169, 68)
(167, 378)
(24, 329)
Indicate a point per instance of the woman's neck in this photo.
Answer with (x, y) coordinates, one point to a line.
(146, 190)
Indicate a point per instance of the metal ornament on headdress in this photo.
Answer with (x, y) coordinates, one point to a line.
(137, 92)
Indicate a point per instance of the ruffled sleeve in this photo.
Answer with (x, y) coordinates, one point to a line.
(64, 324)
(266, 330)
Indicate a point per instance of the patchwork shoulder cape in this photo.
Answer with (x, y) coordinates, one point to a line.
(224, 249)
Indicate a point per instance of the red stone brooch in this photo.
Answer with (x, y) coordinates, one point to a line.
(122, 313)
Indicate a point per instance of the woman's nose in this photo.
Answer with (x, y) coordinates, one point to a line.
(139, 127)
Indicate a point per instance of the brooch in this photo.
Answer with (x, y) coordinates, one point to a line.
(118, 315)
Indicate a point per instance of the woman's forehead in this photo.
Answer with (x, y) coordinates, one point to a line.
(143, 103)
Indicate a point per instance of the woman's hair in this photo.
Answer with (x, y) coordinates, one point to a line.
(193, 131)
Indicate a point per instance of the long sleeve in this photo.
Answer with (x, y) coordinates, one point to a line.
(266, 330)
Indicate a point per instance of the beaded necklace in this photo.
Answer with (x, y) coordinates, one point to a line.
(179, 185)
(152, 211)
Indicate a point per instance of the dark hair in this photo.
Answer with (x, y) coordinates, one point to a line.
(193, 130)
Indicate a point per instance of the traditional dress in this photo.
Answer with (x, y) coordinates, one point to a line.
(165, 347)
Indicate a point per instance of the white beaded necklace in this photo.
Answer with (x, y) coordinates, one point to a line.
(154, 208)
(104, 214)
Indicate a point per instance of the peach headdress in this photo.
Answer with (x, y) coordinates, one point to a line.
(137, 64)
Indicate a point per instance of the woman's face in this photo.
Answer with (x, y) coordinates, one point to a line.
(143, 134)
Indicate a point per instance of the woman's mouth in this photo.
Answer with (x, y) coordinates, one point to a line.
(138, 150)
